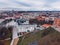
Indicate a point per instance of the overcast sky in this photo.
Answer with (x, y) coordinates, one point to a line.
(31, 4)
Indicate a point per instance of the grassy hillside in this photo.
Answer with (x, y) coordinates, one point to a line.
(36, 36)
(29, 38)
(51, 39)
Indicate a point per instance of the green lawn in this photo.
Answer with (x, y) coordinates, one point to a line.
(35, 36)
(51, 39)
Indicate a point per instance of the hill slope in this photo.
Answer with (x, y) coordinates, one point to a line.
(39, 36)
(51, 39)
